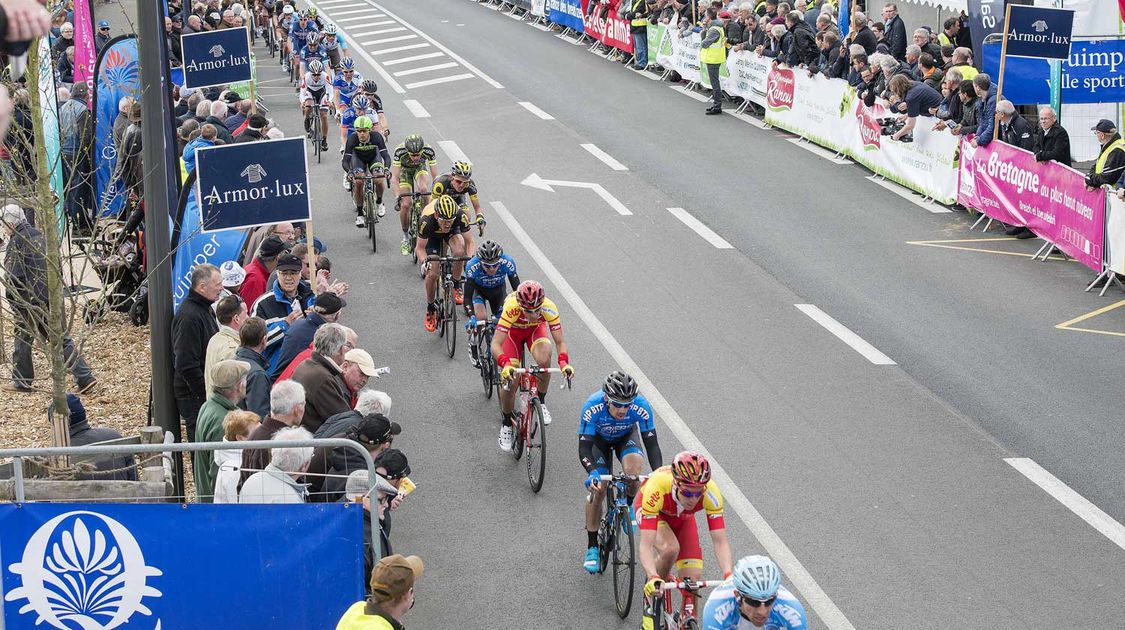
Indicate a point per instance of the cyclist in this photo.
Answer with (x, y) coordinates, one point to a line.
(665, 509)
(459, 184)
(313, 50)
(413, 167)
(443, 222)
(526, 317)
(370, 89)
(347, 128)
(484, 284)
(345, 85)
(299, 30)
(314, 93)
(753, 598)
(614, 422)
(346, 104)
(335, 45)
(365, 155)
(315, 17)
(283, 24)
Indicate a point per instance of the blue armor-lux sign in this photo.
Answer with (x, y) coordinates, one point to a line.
(252, 183)
(1039, 32)
(102, 566)
(216, 57)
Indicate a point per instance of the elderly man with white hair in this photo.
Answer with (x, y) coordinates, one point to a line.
(287, 408)
(1014, 129)
(25, 278)
(278, 481)
(1052, 142)
(218, 112)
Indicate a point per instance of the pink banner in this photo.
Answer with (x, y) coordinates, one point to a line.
(84, 51)
(1007, 184)
(610, 30)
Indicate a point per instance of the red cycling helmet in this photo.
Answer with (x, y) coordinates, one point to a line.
(529, 294)
(691, 468)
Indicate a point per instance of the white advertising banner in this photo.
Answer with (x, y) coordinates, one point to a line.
(1115, 234)
(680, 54)
(817, 108)
(746, 74)
(928, 164)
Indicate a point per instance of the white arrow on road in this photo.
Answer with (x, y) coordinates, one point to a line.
(535, 181)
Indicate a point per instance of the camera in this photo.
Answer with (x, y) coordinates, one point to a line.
(889, 126)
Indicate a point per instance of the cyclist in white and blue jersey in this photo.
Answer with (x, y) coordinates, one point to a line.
(614, 423)
(753, 597)
(314, 49)
(485, 275)
(299, 31)
(335, 45)
(346, 84)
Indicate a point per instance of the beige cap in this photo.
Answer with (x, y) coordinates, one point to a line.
(363, 360)
(227, 374)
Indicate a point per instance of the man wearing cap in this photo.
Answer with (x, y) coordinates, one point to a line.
(229, 381)
(358, 490)
(102, 37)
(233, 277)
(374, 431)
(1110, 165)
(289, 301)
(357, 369)
(258, 271)
(241, 109)
(231, 313)
(392, 594)
(392, 466)
(322, 375)
(255, 123)
(327, 310)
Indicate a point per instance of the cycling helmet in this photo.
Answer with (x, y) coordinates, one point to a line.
(360, 102)
(463, 169)
(446, 207)
(414, 143)
(369, 86)
(347, 63)
(303, 15)
(287, 10)
(312, 12)
(490, 252)
(313, 39)
(316, 67)
(620, 387)
(691, 468)
(362, 123)
(756, 577)
(330, 29)
(529, 294)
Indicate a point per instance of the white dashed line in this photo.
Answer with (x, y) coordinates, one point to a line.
(432, 55)
(453, 151)
(696, 225)
(535, 110)
(869, 352)
(908, 195)
(393, 29)
(364, 10)
(1075, 502)
(388, 40)
(346, 3)
(456, 77)
(387, 51)
(438, 66)
(604, 157)
(416, 108)
(378, 68)
(373, 16)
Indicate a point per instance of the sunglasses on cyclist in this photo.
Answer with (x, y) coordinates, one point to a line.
(754, 603)
(621, 405)
(459, 181)
(691, 494)
(490, 267)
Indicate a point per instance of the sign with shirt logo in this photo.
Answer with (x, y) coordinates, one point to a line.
(1039, 32)
(216, 58)
(252, 183)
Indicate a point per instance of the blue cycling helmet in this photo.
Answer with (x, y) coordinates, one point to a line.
(347, 63)
(360, 102)
(757, 577)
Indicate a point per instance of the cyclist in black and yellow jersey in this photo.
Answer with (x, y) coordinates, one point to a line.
(365, 155)
(459, 184)
(443, 221)
(413, 167)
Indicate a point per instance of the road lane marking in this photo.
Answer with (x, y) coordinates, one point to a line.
(374, 64)
(416, 108)
(945, 244)
(456, 77)
(363, 10)
(453, 151)
(387, 51)
(691, 93)
(843, 333)
(1082, 507)
(388, 40)
(816, 149)
(346, 3)
(535, 110)
(1070, 324)
(373, 16)
(489, 80)
(393, 29)
(436, 66)
(606, 158)
(432, 55)
(366, 33)
(535, 181)
(695, 224)
(908, 195)
(799, 576)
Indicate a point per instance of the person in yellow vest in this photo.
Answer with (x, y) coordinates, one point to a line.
(1110, 164)
(636, 12)
(712, 54)
(392, 594)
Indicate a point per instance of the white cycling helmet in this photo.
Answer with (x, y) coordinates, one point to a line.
(757, 577)
(288, 10)
(330, 29)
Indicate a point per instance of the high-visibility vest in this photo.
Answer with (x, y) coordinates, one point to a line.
(717, 52)
(638, 18)
(944, 40)
(1116, 145)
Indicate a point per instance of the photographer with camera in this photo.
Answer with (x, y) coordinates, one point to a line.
(919, 98)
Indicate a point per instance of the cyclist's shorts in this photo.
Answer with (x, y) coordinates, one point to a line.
(686, 531)
(604, 451)
(316, 95)
(353, 163)
(407, 177)
(494, 297)
(519, 338)
(334, 57)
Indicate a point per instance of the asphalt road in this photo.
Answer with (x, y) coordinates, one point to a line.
(883, 489)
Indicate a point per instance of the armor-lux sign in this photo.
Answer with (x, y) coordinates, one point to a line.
(1039, 32)
(252, 183)
(216, 58)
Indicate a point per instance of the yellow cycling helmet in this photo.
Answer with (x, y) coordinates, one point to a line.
(362, 123)
(446, 207)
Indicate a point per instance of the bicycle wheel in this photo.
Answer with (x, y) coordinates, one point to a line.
(450, 322)
(691, 624)
(316, 133)
(519, 424)
(536, 447)
(369, 216)
(487, 365)
(624, 564)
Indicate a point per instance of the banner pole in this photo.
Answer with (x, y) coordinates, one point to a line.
(1000, 81)
(253, 62)
(310, 255)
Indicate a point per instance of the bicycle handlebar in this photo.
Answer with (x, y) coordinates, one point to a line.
(434, 257)
(623, 477)
(690, 585)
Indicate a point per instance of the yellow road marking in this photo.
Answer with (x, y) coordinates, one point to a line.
(1068, 325)
(944, 244)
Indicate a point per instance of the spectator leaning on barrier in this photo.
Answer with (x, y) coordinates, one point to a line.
(112, 467)
(392, 595)
(1052, 142)
(950, 109)
(1014, 129)
(778, 43)
(802, 49)
(322, 376)
(277, 482)
(986, 109)
(287, 408)
(231, 313)
(374, 432)
(285, 304)
(357, 369)
(712, 54)
(192, 328)
(252, 339)
(259, 270)
(1110, 165)
(255, 123)
(920, 100)
(237, 426)
(230, 388)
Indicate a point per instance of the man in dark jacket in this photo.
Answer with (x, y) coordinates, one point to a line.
(373, 430)
(803, 50)
(327, 310)
(252, 340)
(1110, 164)
(896, 32)
(1052, 142)
(112, 467)
(326, 393)
(102, 37)
(192, 327)
(290, 300)
(254, 126)
(1014, 129)
(25, 272)
(236, 118)
(862, 34)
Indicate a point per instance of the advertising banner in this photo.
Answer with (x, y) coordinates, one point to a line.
(1007, 184)
(655, 33)
(817, 108)
(85, 53)
(602, 23)
(252, 183)
(116, 566)
(1093, 73)
(680, 54)
(1039, 32)
(567, 13)
(243, 87)
(216, 58)
(745, 76)
(52, 145)
(985, 18)
(117, 75)
(193, 247)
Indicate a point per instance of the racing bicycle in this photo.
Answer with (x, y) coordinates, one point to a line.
(531, 433)
(665, 617)
(446, 304)
(370, 210)
(417, 202)
(481, 338)
(312, 124)
(615, 539)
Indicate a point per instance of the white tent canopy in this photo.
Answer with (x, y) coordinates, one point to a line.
(949, 5)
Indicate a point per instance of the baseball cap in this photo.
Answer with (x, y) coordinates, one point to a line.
(228, 373)
(375, 429)
(724, 14)
(1104, 126)
(233, 273)
(317, 244)
(394, 576)
(104, 24)
(362, 359)
(231, 97)
(289, 262)
(394, 461)
(272, 247)
(259, 122)
(328, 303)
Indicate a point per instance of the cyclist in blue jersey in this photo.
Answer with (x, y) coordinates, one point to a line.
(360, 106)
(613, 423)
(335, 45)
(485, 274)
(298, 32)
(370, 89)
(752, 597)
(314, 50)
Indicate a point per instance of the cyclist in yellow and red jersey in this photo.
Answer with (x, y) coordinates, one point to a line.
(665, 507)
(525, 320)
